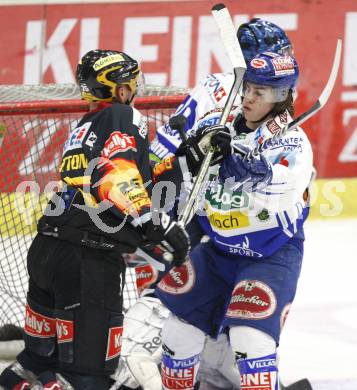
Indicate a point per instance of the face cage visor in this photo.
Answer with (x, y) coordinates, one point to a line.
(265, 93)
(287, 51)
(140, 84)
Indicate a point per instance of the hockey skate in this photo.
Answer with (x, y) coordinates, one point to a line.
(16, 377)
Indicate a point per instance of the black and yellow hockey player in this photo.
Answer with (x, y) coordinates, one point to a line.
(74, 307)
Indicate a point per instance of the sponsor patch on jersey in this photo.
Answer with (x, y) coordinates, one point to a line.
(230, 221)
(252, 299)
(283, 65)
(288, 144)
(90, 141)
(219, 94)
(164, 166)
(38, 325)
(145, 276)
(220, 197)
(241, 249)
(263, 215)
(115, 339)
(272, 126)
(76, 137)
(284, 315)
(141, 122)
(283, 118)
(73, 163)
(179, 280)
(123, 185)
(65, 330)
(118, 142)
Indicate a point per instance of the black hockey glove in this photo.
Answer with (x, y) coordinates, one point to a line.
(168, 233)
(221, 141)
(198, 144)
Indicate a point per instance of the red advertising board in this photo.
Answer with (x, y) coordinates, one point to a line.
(178, 43)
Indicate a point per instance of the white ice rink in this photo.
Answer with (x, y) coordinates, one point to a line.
(319, 340)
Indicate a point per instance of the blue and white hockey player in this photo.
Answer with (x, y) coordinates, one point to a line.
(202, 107)
(244, 278)
(210, 95)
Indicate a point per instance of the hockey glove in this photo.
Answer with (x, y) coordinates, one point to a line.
(256, 171)
(198, 144)
(168, 233)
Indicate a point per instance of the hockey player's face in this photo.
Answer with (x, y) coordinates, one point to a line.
(258, 101)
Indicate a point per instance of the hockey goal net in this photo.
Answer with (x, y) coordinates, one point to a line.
(34, 123)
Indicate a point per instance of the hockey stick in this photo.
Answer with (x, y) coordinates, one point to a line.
(322, 100)
(178, 123)
(230, 41)
(302, 384)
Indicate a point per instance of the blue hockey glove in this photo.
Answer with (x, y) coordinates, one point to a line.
(256, 171)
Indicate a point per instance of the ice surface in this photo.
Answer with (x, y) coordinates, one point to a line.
(319, 340)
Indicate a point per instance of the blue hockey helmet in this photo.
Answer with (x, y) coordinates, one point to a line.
(260, 35)
(274, 70)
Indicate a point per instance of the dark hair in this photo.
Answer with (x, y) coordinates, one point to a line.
(280, 107)
(287, 104)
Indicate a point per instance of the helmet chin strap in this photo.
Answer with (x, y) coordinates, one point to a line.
(128, 102)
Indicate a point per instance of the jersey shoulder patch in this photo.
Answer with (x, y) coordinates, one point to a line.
(141, 122)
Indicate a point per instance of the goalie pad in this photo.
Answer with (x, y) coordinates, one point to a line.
(141, 347)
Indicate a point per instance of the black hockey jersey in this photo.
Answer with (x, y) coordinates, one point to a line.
(106, 179)
(106, 158)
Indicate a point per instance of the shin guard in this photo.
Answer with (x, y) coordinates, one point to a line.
(258, 373)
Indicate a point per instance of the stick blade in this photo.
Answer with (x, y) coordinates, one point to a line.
(302, 384)
(333, 75)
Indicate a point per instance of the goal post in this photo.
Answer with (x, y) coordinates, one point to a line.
(34, 124)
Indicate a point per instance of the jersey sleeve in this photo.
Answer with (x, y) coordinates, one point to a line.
(291, 159)
(209, 94)
(123, 175)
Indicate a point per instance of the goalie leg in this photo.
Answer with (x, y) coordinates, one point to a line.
(141, 349)
(218, 366)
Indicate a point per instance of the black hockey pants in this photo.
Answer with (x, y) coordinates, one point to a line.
(78, 292)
